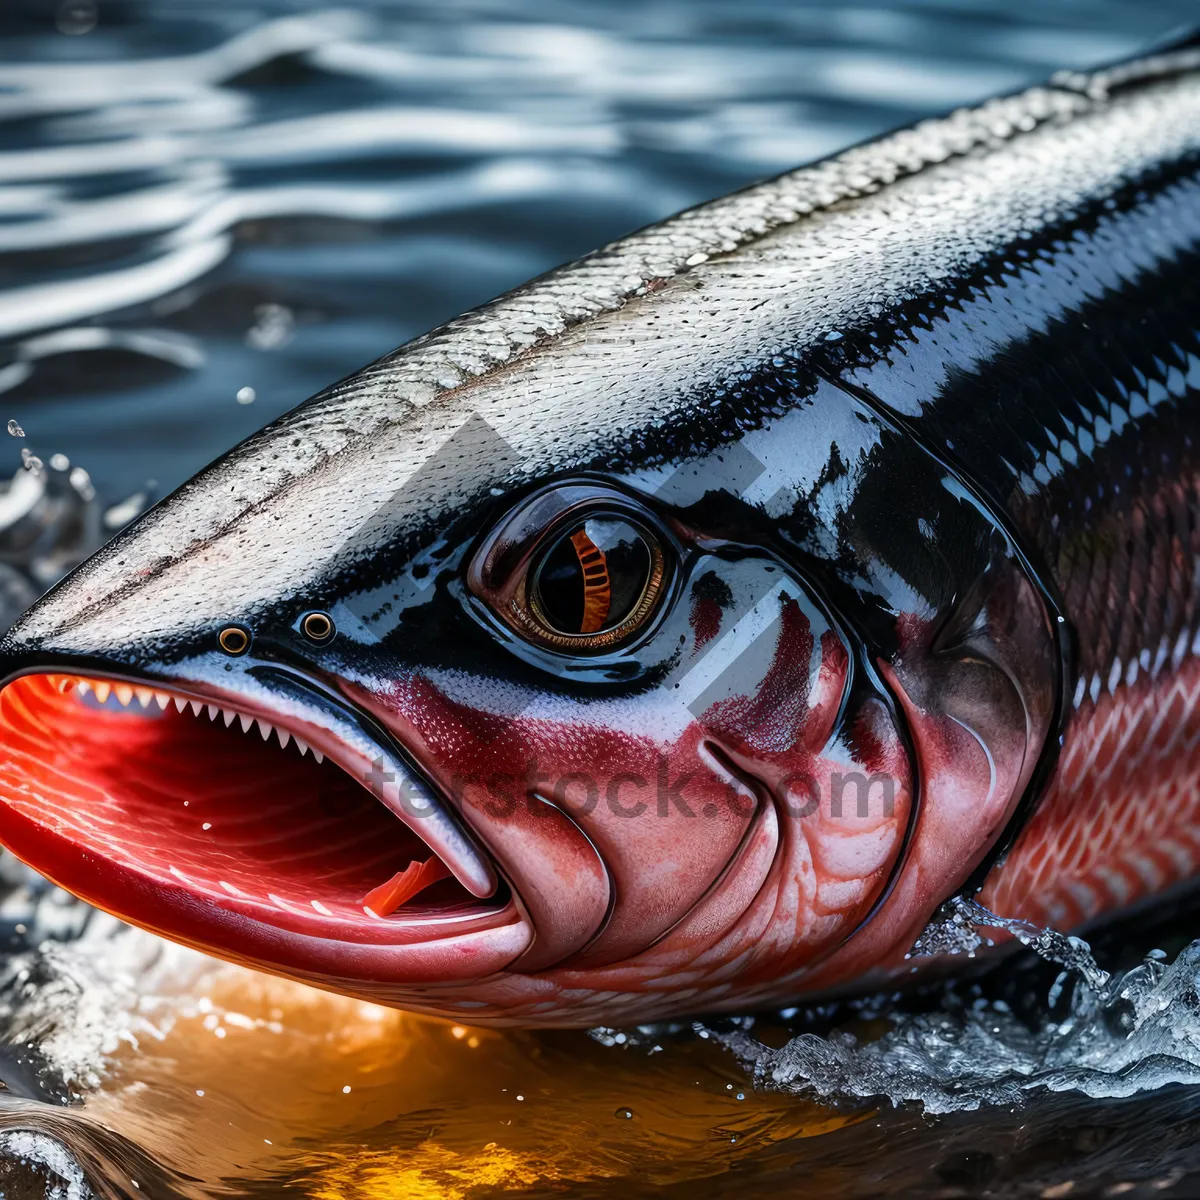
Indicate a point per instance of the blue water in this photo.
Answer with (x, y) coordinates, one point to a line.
(210, 210)
(200, 197)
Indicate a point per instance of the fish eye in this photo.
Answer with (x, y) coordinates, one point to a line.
(592, 579)
(577, 569)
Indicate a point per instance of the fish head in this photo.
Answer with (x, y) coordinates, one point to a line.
(519, 718)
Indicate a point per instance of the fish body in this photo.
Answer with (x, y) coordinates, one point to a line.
(677, 632)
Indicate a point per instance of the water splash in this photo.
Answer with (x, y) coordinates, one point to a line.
(48, 1161)
(50, 520)
(1121, 1034)
(957, 929)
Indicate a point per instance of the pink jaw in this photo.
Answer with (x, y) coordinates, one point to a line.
(200, 828)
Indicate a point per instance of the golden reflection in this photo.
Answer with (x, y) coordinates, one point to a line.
(263, 1079)
(431, 1172)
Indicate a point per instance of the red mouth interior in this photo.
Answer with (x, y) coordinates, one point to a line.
(166, 800)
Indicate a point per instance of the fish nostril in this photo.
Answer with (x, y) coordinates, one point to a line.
(318, 627)
(233, 639)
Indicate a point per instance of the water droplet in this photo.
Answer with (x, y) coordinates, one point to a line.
(246, 395)
(124, 512)
(273, 327)
(624, 1114)
(81, 481)
(76, 16)
(15, 430)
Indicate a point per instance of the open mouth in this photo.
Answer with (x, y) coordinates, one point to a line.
(191, 818)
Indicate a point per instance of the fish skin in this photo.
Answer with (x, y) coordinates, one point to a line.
(938, 393)
(1117, 529)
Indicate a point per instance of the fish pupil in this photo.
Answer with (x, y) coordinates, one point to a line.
(593, 576)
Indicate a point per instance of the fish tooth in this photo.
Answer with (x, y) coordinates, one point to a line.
(102, 690)
(212, 710)
(318, 755)
(83, 686)
(302, 746)
(229, 715)
(66, 683)
(265, 728)
(163, 699)
(145, 697)
(246, 722)
(196, 706)
(179, 702)
(124, 694)
(283, 736)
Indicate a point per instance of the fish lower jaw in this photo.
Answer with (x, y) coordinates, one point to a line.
(232, 832)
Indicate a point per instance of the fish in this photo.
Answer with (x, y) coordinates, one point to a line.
(678, 632)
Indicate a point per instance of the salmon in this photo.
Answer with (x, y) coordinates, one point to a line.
(678, 631)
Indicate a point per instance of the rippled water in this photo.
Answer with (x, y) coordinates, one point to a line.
(210, 210)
